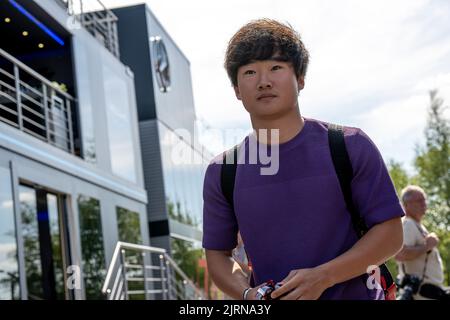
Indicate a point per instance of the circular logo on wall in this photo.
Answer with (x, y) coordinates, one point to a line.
(161, 64)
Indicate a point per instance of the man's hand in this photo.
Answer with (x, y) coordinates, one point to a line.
(303, 284)
(432, 241)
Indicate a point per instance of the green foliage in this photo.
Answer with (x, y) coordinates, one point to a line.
(187, 257)
(432, 163)
(393, 268)
(92, 246)
(183, 252)
(129, 226)
(433, 166)
(129, 229)
(176, 213)
(398, 175)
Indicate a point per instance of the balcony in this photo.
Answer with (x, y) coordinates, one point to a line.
(97, 19)
(35, 105)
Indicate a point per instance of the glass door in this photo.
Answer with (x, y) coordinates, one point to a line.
(45, 243)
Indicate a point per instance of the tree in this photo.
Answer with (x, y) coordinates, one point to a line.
(432, 163)
(398, 175)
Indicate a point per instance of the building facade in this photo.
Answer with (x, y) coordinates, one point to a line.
(174, 162)
(71, 172)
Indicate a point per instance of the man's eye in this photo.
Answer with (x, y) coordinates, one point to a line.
(276, 67)
(249, 72)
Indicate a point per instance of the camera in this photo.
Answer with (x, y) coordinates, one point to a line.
(410, 285)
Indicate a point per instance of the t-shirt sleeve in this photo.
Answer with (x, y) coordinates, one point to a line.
(219, 222)
(372, 189)
(409, 233)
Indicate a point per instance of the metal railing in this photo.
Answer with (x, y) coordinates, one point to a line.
(35, 105)
(146, 273)
(97, 19)
(64, 3)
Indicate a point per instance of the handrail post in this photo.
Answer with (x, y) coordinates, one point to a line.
(184, 290)
(144, 266)
(124, 274)
(169, 280)
(70, 127)
(163, 284)
(45, 102)
(18, 96)
(169, 272)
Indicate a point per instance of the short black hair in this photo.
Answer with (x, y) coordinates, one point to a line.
(264, 39)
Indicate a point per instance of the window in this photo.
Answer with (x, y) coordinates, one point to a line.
(118, 114)
(31, 243)
(129, 226)
(129, 229)
(9, 271)
(42, 231)
(92, 249)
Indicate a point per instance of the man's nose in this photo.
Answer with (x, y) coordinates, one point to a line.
(264, 83)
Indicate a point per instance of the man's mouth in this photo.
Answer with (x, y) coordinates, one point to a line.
(266, 97)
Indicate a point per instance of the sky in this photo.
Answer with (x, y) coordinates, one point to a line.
(372, 64)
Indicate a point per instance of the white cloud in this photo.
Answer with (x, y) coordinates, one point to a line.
(6, 263)
(369, 59)
(396, 126)
(393, 127)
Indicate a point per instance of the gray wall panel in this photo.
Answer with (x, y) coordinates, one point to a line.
(135, 52)
(152, 166)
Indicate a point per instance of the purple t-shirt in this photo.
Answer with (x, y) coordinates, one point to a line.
(297, 218)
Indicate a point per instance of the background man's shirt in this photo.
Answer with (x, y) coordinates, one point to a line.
(413, 235)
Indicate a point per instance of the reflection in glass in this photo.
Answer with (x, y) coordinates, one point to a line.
(55, 236)
(9, 272)
(30, 233)
(187, 256)
(42, 240)
(183, 188)
(129, 228)
(85, 105)
(118, 114)
(92, 250)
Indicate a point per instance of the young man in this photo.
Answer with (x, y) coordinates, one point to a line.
(420, 256)
(294, 223)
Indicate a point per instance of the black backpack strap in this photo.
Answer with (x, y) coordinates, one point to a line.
(227, 181)
(228, 174)
(344, 171)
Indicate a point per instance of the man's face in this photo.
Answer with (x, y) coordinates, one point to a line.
(416, 205)
(268, 88)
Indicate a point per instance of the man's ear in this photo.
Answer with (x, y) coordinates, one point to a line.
(237, 92)
(301, 83)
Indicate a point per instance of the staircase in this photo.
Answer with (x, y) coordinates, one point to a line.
(139, 272)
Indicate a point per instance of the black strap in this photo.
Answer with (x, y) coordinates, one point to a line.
(344, 171)
(424, 234)
(228, 174)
